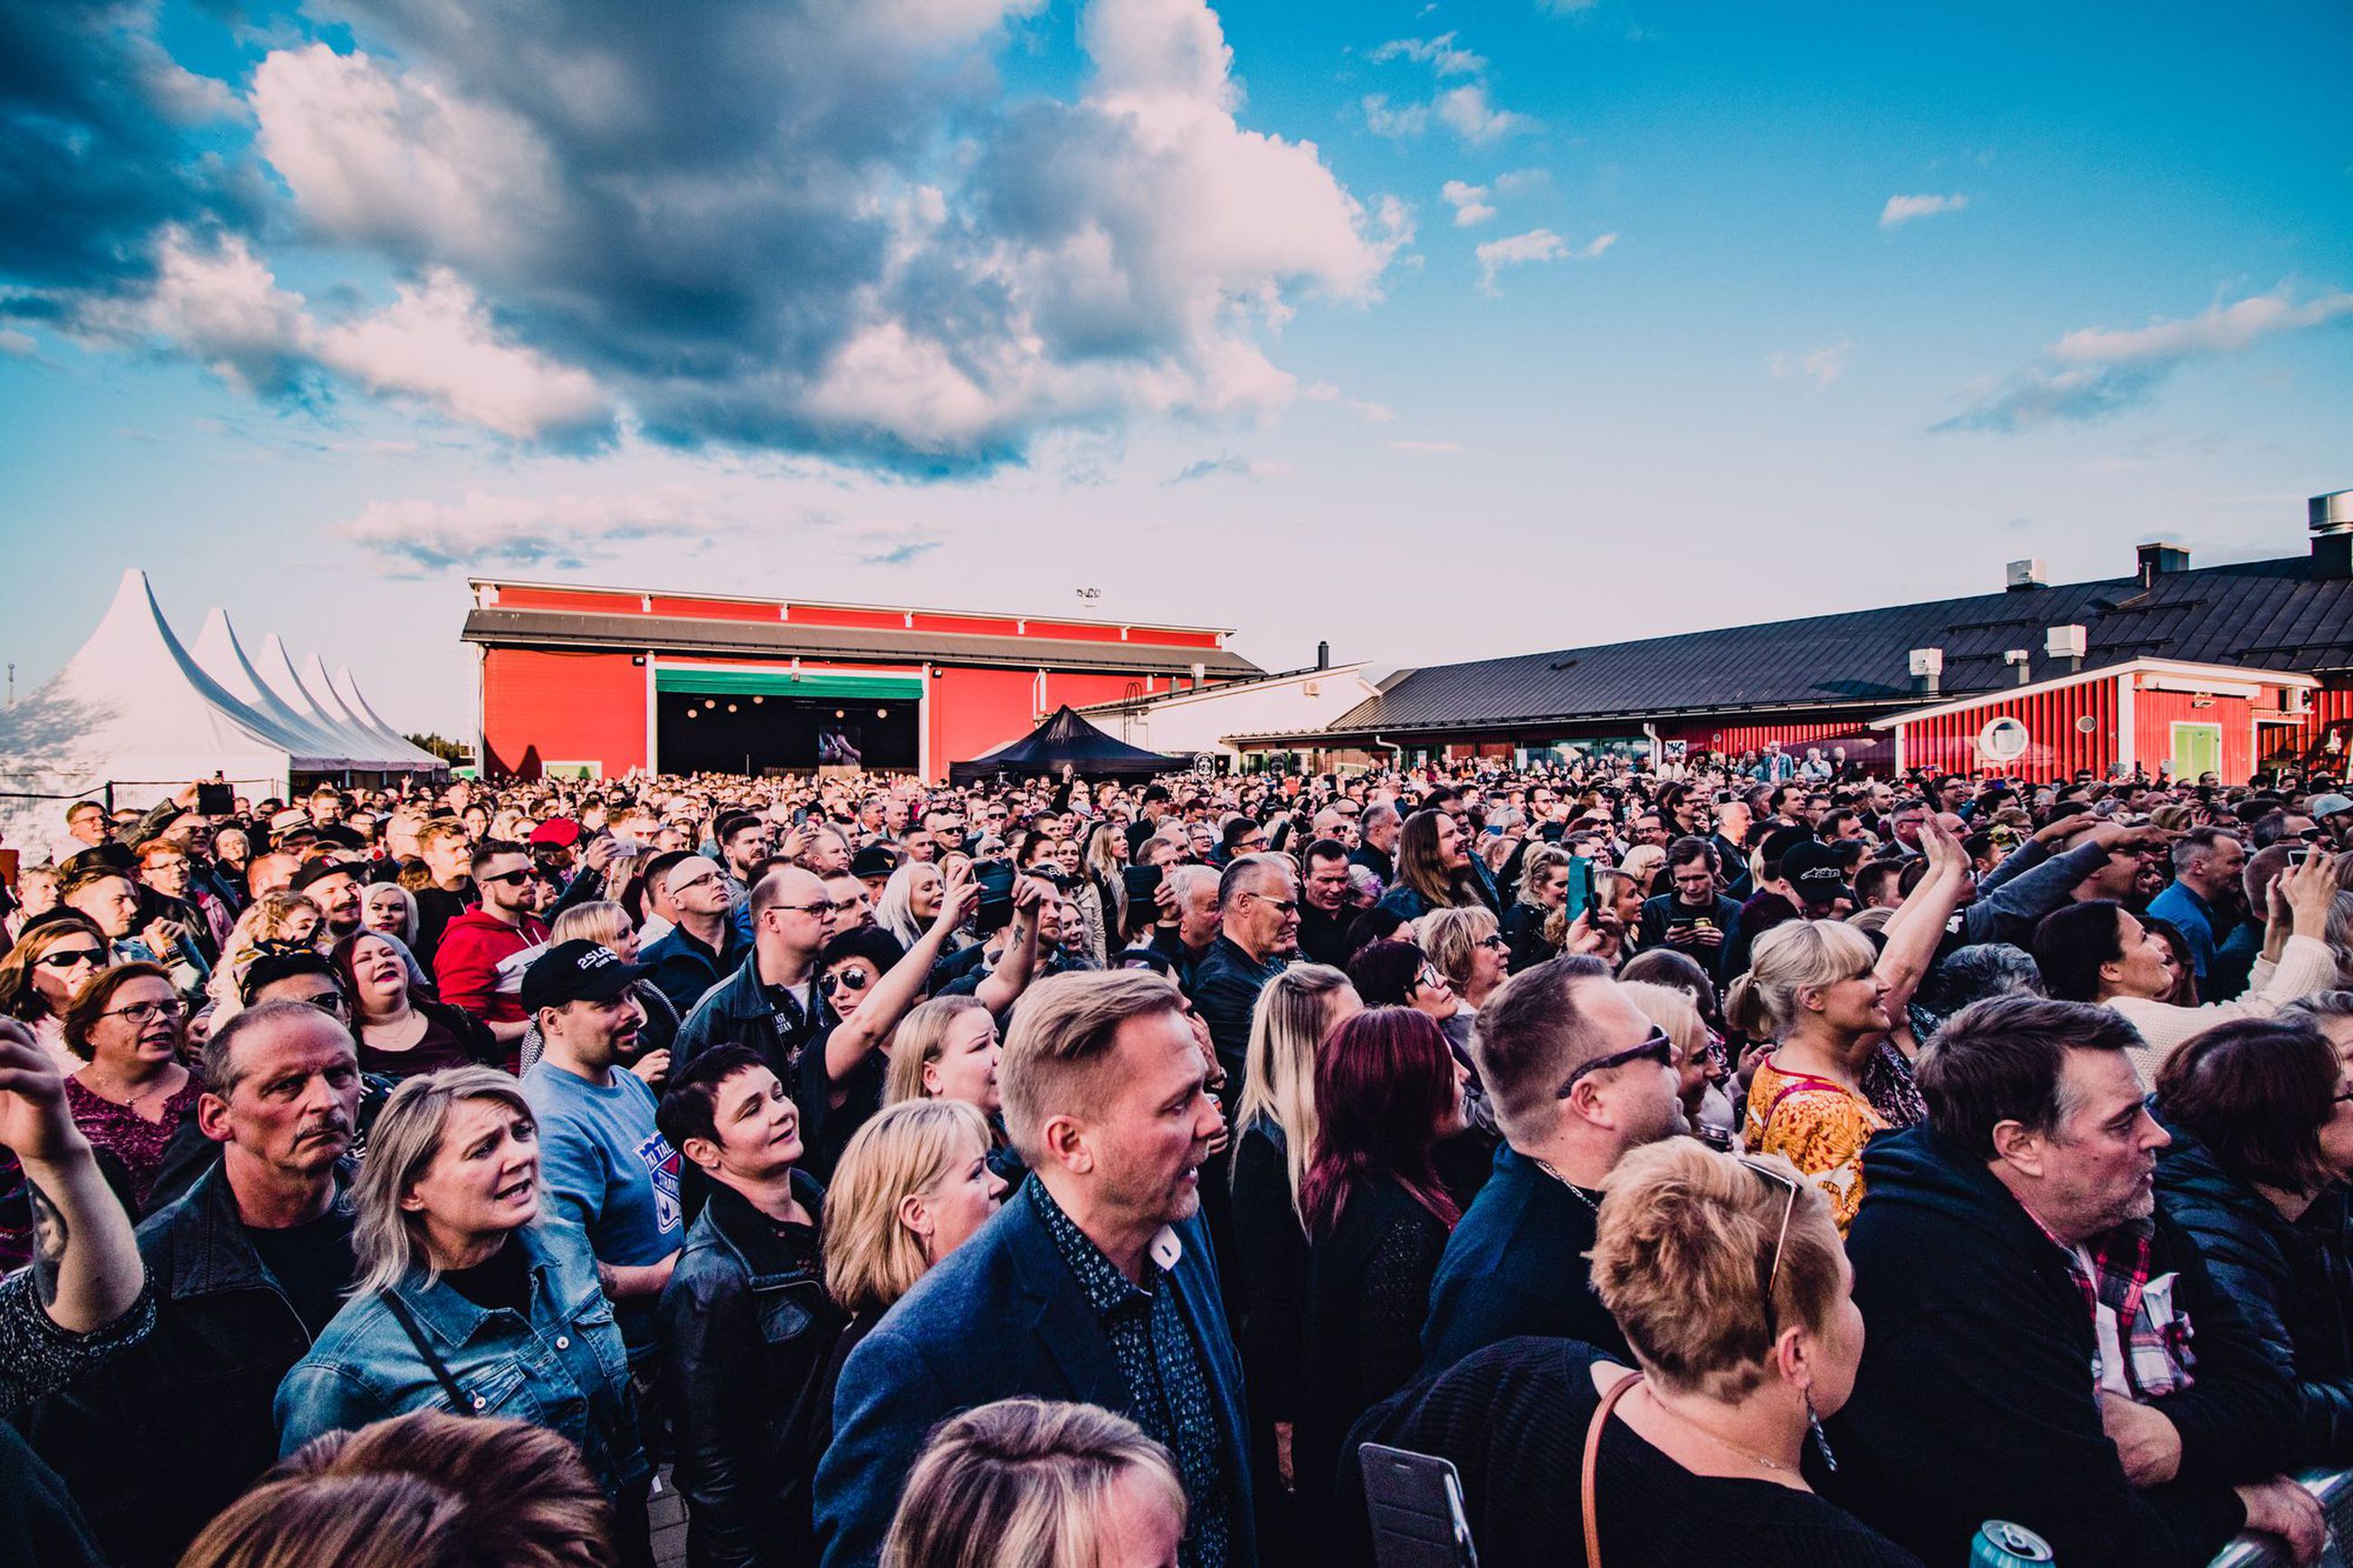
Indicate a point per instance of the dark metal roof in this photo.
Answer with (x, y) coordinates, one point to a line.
(507, 627)
(2265, 614)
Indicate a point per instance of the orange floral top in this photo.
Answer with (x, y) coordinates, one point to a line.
(1818, 1126)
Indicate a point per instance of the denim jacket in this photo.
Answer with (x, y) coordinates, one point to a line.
(564, 1370)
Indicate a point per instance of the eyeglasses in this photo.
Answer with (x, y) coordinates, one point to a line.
(1288, 906)
(704, 879)
(66, 958)
(1493, 940)
(326, 1002)
(824, 908)
(1656, 1048)
(141, 1013)
(1773, 1274)
(848, 979)
(1429, 979)
(517, 879)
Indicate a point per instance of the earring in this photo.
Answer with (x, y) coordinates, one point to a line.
(1821, 1438)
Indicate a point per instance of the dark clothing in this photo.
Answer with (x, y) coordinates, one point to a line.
(1513, 1419)
(685, 967)
(1975, 1397)
(451, 1039)
(1666, 912)
(1167, 1388)
(1269, 1298)
(1182, 959)
(1516, 1265)
(1368, 1292)
(1763, 911)
(788, 1028)
(1004, 1316)
(1224, 990)
(2292, 1278)
(164, 1436)
(42, 1525)
(436, 908)
(310, 1262)
(1732, 860)
(1523, 928)
(1323, 937)
(746, 1336)
(1379, 862)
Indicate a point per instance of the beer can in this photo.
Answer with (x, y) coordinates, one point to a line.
(2001, 1544)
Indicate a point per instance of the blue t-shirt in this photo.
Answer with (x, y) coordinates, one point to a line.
(2193, 917)
(610, 1173)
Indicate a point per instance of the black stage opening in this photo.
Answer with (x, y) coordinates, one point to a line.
(738, 732)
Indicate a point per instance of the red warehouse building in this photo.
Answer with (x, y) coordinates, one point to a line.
(2227, 669)
(597, 682)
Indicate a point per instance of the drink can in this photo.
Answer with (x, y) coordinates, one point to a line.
(2001, 1544)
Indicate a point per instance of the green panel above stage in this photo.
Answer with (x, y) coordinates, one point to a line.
(784, 683)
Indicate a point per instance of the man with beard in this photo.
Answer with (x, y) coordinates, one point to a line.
(1093, 1282)
(248, 1267)
(2030, 1314)
(1577, 1076)
(607, 1167)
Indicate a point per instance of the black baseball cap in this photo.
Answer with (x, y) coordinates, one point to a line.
(577, 971)
(319, 870)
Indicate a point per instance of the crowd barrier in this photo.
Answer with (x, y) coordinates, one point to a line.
(2335, 1490)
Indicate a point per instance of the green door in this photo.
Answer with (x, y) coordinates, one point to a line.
(2197, 749)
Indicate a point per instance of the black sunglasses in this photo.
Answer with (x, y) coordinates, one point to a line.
(854, 979)
(1656, 1048)
(517, 879)
(66, 958)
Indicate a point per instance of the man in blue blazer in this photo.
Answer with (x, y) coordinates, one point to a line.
(1094, 1283)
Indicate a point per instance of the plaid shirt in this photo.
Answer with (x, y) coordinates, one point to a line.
(2134, 1317)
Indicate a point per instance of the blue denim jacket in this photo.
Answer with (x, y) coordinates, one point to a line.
(564, 1370)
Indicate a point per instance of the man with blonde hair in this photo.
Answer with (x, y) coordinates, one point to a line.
(1094, 1283)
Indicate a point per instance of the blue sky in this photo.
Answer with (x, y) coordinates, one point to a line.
(1439, 330)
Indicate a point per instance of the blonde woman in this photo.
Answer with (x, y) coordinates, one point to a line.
(1527, 925)
(948, 1049)
(1032, 1483)
(468, 1299)
(1295, 1014)
(912, 1186)
(282, 915)
(1466, 946)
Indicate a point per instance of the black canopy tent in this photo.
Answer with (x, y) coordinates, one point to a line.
(1065, 740)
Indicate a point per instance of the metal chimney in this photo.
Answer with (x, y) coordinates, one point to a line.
(1927, 671)
(2066, 645)
(2161, 559)
(2020, 576)
(1323, 655)
(2332, 534)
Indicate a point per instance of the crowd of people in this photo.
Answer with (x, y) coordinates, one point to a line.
(1771, 1163)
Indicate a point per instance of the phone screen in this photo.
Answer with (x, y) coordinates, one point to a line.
(1580, 886)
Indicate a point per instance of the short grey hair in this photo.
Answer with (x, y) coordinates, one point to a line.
(1185, 881)
(1243, 874)
(223, 1071)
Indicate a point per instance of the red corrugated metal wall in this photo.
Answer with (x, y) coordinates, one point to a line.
(2329, 706)
(540, 707)
(1734, 739)
(2156, 712)
(2057, 749)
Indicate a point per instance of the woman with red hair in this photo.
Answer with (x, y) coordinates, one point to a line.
(1386, 1090)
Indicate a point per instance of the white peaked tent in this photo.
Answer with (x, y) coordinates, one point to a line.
(389, 751)
(355, 703)
(277, 672)
(134, 712)
(224, 658)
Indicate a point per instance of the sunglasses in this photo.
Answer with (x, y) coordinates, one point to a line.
(1657, 1048)
(1789, 1207)
(517, 879)
(1493, 940)
(66, 958)
(849, 979)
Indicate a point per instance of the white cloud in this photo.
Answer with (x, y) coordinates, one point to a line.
(1370, 413)
(1536, 245)
(1425, 448)
(1820, 365)
(2219, 330)
(15, 343)
(1409, 120)
(1903, 209)
(1227, 466)
(1439, 54)
(566, 531)
(2092, 373)
(436, 342)
(1469, 202)
(1465, 109)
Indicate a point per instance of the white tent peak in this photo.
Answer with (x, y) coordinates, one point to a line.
(382, 753)
(224, 658)
(355, 703)
(277, 672)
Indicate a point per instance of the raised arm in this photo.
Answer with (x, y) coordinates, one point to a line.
(858, 1033)
(86, 1267)
(1919, 924)
(999, 989)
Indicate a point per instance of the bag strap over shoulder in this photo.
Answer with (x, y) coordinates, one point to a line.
(460, 1401)
(1593, 1460)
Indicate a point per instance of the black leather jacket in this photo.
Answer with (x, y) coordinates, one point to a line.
(2291, 1280)
(746, 1331)
(165, 1435)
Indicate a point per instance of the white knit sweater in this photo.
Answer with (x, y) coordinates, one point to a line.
(2305, 965)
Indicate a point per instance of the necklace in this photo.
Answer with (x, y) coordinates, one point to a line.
(1578, 1192)
(1723, 1443)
